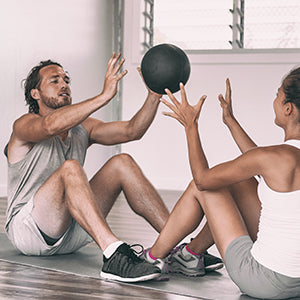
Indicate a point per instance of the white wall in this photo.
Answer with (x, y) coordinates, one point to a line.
(76, 33)
(255, 77)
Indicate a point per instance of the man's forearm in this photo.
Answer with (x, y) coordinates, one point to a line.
(142, 120)
(69, 116)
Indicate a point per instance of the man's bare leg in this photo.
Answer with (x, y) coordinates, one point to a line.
(67, 194)
(121, 173)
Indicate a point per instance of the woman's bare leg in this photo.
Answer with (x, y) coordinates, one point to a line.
(223, 216)
(184, 219)
(246, 199)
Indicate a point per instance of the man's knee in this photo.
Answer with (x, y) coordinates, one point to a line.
(71, 166)
(123, 162)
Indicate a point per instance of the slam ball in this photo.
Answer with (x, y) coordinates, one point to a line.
(165, 66)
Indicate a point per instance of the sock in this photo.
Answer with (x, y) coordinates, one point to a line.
(109, 251)
(187, 250)
(150, 256)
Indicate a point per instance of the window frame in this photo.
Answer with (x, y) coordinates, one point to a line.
(237, 27)
(133, 30)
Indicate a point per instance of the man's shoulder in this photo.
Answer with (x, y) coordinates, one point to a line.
(27, 116)
(22, 122)
(16, 149)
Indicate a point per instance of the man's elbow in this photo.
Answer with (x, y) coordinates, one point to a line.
(49, 127)
(134, 135)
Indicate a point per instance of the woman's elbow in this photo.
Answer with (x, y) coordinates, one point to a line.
(200, 185)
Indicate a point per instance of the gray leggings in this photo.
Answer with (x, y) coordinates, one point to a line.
(254, 279)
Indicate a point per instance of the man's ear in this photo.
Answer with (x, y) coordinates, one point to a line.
(35, 94)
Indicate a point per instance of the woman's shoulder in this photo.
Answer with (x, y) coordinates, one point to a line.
(281, 153)
(281, 167)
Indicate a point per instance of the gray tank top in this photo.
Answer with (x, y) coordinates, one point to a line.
(26, 176)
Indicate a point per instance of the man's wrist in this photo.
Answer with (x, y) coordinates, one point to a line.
(102, 99)
(153, 97)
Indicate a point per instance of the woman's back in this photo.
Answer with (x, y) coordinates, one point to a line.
(278, 240)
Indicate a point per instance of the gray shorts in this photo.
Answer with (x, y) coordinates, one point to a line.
(253, 278)
(27, 238)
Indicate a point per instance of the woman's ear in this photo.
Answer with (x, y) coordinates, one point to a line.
(35, 94)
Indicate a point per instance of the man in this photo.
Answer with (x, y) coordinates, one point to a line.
(52, 207)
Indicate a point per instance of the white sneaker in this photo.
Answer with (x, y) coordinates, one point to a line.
(158, 262)
(182, 261)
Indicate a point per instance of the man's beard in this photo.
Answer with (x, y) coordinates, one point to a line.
(55, 103)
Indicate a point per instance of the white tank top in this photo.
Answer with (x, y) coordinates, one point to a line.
(278, 241)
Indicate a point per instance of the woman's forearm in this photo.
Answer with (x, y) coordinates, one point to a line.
(197, 158)
(242, 139)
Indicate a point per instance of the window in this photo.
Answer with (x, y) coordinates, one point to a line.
(222, 24)
(272, 24)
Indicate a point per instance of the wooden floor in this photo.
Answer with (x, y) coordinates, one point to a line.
(22, 282)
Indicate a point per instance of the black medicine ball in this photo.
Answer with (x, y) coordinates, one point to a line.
(165, 66)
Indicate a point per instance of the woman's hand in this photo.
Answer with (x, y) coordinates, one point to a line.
(183, 112)
(226, 103)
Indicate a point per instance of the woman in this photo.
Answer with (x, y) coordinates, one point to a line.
(255, 226)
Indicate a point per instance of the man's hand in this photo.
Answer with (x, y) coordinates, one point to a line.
(149, 91)
(112, 77)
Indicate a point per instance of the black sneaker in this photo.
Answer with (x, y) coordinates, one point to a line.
(212, 263)
(124, 265)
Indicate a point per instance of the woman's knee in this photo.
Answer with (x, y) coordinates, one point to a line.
(203, 195)
(192, 187)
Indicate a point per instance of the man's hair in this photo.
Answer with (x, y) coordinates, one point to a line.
(33, 81)
(291, 87)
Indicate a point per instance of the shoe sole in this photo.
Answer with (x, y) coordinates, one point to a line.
(186, 271)
(207, 270)
(214, 267)
(122, 279)
(187, 274)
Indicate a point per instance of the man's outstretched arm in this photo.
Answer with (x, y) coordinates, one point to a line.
(116, 132)
(36, 127)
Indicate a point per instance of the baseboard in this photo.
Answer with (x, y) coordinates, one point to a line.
(3, 190)
(170, 184)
